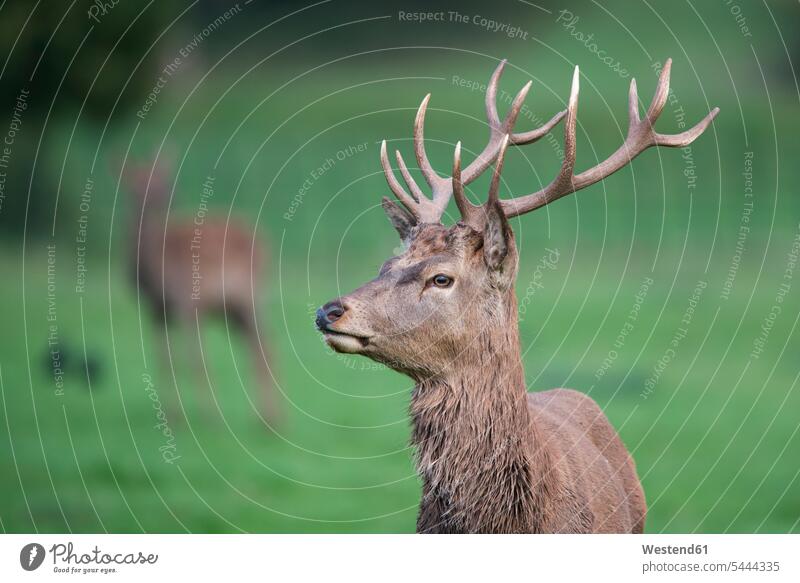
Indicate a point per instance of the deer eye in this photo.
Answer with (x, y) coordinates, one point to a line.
(441, 280)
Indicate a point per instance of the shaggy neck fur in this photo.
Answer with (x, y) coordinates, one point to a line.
(481, 470)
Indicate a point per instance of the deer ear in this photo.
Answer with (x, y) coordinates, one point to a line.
(496, 235)
(402, 220)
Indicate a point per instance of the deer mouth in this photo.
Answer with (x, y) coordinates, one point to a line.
(344, 342)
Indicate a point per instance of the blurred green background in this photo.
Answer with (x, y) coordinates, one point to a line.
(286, 104)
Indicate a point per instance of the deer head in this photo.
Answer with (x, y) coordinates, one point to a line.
(423, 312)
(148, 185)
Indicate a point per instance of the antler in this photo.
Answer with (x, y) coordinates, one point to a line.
(641, 136)
(430, 210)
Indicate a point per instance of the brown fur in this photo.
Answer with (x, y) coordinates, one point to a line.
(226, 255)
(492, 457)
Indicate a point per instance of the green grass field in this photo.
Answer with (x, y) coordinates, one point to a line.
(713, 428)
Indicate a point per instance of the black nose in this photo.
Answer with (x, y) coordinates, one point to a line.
(329, 313)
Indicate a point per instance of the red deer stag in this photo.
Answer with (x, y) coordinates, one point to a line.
(492, 457)
(190, 268)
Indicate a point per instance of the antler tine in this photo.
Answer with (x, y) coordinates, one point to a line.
(564, 179)
(497, 128)
(473, 215)
(661, 94)
(494, 186)
(435, 181)
(640, 137)
(465, 207)
(516, 107)
(423, 208)
(685, 138)
(505, 127)
(426, 210)
(491, 95)
(524, 138)
(396, 187)
(633, 105)
(416, 191)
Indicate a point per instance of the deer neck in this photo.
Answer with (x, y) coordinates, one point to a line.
(145, 237)
(477, 450)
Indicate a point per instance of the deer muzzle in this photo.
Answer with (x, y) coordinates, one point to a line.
(336, 337)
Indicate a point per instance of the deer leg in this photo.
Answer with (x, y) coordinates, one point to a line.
(196, 359)
(166, 367)
(246, 318)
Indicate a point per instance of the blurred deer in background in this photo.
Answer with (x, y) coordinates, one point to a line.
(492, 457)
(190, 268)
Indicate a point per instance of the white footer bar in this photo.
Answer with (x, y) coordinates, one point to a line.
(372, 558)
